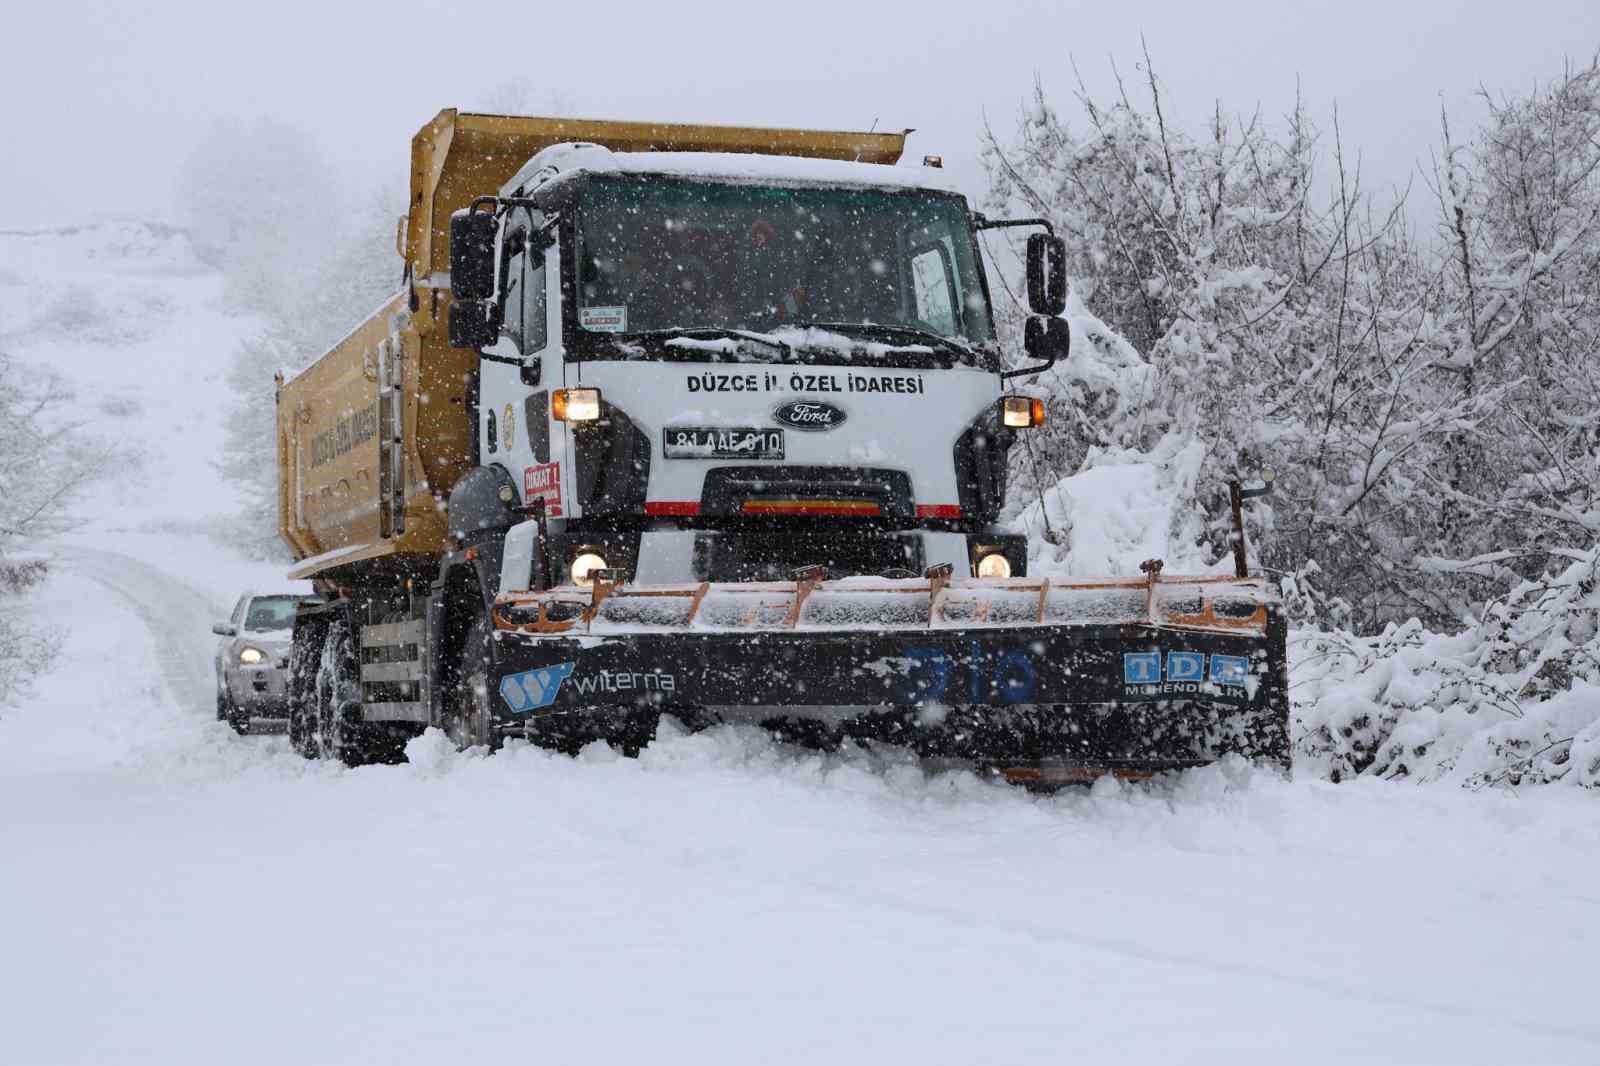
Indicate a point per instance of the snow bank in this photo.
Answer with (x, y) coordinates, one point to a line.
(1124, 504)
(1513, 700)
(1123, 508)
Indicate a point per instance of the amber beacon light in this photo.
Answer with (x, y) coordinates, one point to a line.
(575, 405)
(1021, 412)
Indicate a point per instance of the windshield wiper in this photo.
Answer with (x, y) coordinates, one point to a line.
(881, 332)
(783, 349)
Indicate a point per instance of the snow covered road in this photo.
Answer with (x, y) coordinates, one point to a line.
(177, 617)
(173, 893)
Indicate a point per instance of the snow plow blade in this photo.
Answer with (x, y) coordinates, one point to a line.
(1043, 681)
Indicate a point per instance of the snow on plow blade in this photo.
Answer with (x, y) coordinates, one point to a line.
(1040, 679)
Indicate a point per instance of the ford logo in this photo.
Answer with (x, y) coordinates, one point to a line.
(809, 415)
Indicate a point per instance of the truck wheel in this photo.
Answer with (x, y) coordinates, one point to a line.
(337, 686)
(305, 654)
(469, 720)
(341, 734)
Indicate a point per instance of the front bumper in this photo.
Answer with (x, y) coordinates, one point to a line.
(258, 691)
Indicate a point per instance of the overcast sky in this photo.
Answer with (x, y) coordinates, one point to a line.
(105, 98)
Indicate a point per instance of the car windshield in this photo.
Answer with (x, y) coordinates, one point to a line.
(762, 271)
(271, 612)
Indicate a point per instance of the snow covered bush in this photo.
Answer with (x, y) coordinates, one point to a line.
(24, 649)
(86, 314)
(1515, 699)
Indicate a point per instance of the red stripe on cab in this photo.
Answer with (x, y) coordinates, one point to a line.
(679, 508)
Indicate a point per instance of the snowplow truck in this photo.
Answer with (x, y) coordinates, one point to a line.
(714, 422)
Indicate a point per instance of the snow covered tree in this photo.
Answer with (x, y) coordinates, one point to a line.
(260, 202)
(1285, 324)
(42, 469)
(1520, 216)
(358, 270)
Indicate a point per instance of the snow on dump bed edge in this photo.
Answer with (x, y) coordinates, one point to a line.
(562, 161)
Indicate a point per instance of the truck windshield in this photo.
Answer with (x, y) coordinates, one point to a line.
(771, 272)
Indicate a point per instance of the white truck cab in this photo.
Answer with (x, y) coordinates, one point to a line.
(715, 367)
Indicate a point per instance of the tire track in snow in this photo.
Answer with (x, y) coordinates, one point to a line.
(1330, 986)
(178, 618)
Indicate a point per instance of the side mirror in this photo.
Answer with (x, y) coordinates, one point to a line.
(224, 629)
(1047, 274)
(1045, 339)
(474, 323)
(472, 235)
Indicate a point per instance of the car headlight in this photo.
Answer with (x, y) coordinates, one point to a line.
(575, 405)
(251, 656)
(583, 568)
(994, 565)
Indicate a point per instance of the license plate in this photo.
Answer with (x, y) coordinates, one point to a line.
(702, 442)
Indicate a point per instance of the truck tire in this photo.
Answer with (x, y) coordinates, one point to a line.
(468, 718)
(305, 653)
(340, 732)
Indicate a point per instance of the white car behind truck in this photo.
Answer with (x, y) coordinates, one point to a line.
(251, 661)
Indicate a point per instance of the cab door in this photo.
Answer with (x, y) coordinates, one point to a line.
(520, 371)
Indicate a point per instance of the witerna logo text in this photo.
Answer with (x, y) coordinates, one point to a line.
(533, 689)
(1186, 672)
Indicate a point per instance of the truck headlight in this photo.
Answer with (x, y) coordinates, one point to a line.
(994, 565)
(251, 656)
(575, 405)
(583, 567)
(1020, 412)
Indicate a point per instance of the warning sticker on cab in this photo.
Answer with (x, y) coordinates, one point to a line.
(543, 483)
(604, 319)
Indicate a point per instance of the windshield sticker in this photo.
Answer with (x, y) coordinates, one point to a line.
(904, 384)
(604, 319)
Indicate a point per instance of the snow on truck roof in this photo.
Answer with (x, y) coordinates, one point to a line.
(560, 161)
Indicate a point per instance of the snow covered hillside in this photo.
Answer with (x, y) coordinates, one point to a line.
(172, 893)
